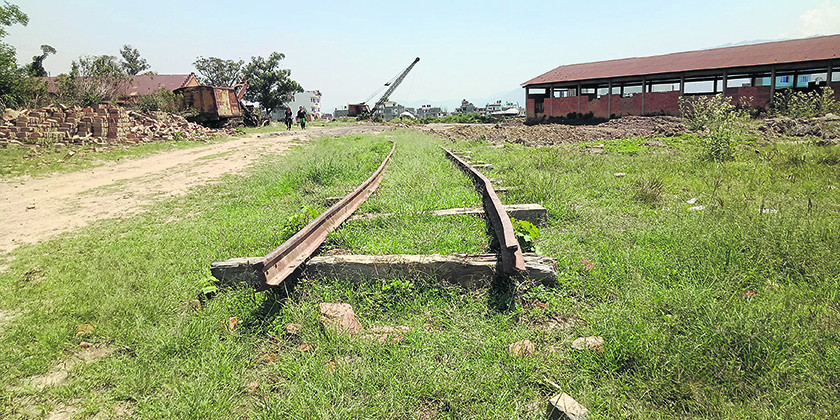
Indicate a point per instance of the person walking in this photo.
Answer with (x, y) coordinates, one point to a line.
(301, 116)
(288, 118)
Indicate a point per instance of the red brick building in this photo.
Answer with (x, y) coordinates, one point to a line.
(653, 85)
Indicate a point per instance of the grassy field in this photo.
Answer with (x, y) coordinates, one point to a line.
(727, 312)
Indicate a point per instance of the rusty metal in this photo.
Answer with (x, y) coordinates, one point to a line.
(509, 251)
(283, 261)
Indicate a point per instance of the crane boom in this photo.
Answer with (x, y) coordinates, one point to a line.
(393, 86)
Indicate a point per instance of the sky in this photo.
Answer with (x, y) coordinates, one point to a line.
(474, 50)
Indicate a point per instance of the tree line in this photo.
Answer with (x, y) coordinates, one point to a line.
(101, 78)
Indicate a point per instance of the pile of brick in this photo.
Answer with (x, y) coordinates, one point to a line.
(100, 124)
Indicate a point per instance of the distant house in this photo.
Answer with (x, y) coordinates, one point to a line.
(654, 85)
(310, 100)
(466, 108)
(143, 84)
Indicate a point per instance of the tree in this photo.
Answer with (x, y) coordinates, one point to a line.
(96, 66)
(93, 79)
(13, 81)
(36, 68)
(214, 71)
(268, 84)
(9, 15)
(132, 63)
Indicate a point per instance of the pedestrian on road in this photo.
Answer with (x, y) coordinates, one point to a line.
(288, 118)
(301, 116)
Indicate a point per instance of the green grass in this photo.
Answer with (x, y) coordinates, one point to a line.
(722, 313)
(725, 312)
(35, 160)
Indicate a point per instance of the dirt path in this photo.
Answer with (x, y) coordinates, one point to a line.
(35, 209)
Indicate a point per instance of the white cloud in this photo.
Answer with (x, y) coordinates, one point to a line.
(822, 20)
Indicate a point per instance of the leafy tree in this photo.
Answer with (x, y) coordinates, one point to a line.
(9, 15)
(13, 82)
(214, 71)
(92, 80)
(36, 69)
(268, 84)
(132, 63)
(96, 66)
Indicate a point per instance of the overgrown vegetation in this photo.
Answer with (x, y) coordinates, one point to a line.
(162, 100)
(723, 122)
(798, 104)
(719, 313)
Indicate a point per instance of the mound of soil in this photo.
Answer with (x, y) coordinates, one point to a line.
(826, 127)
(548, 134)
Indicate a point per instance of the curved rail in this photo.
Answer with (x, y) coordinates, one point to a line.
(511, 255)
(283, 261)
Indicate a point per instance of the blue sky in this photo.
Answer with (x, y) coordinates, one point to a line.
(467, 49)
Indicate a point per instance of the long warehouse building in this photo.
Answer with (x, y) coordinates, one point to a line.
(749, 74)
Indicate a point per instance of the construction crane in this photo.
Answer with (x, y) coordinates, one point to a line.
(354, 110)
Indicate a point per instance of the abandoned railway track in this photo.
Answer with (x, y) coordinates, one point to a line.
(275, 267)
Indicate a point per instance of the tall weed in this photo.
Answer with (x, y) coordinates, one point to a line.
(724, 122)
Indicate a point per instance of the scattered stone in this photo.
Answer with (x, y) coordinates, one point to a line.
(697, 208)
(293, 329)
(339, 317)
(521, 348)
(691, 201)
(564, 407)
(594, 343)
(768, 211)
(620, 174)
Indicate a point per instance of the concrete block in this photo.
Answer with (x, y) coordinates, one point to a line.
(534, 213)
(564, 407)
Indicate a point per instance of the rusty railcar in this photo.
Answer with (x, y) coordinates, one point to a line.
(214, 106)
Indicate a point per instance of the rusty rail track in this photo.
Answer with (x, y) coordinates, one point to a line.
(509, 251)
(283, 261)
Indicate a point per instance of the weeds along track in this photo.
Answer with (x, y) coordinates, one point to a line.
(273, 268)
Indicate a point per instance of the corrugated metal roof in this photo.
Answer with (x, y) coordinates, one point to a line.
(793, 51)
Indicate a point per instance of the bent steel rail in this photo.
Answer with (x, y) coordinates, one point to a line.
(511, 255)
(283, 261)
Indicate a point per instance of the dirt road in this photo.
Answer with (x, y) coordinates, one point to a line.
(35, 209)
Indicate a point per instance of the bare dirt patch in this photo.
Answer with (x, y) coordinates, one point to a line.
(35, 209)
(548, 134)
(57, 376)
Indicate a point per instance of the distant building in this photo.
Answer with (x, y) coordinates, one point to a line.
(655, 84)
(429, 111)
(391, 110)
(142, 84)
(341, 113)
(465, 108)
(310, 100)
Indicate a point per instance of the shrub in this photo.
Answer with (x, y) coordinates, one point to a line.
(800, 104)
(162, 100)
(724, 122)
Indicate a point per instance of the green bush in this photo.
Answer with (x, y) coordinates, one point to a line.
(470, 118)
(162, 100)
(720, 118)
(815, 103)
